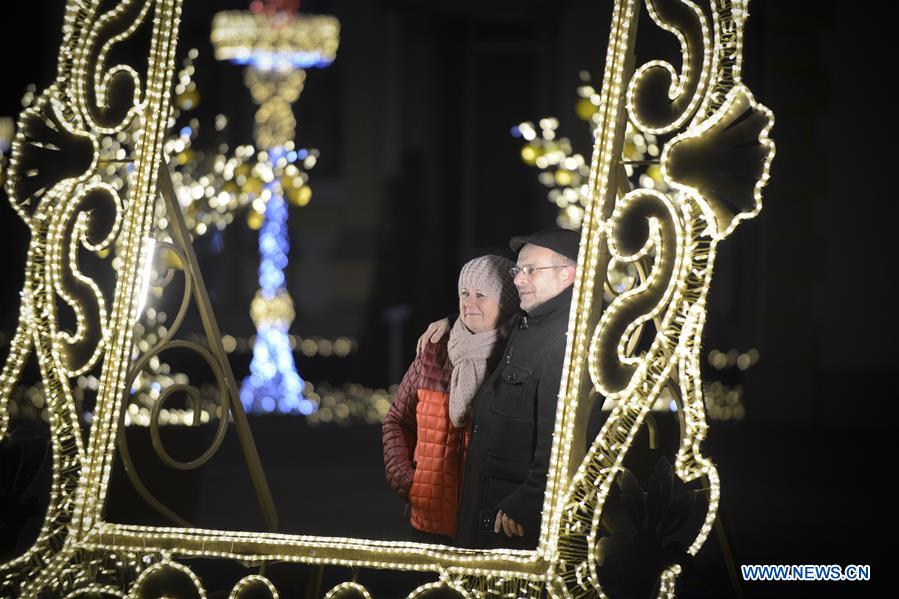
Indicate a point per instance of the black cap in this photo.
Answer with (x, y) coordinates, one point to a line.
(561, 241)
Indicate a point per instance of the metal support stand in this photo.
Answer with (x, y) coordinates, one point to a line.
(181, 238)
(728, 556)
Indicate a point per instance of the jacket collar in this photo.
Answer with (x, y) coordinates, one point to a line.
(561, 302)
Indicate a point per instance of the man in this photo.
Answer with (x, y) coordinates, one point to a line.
(514, 410)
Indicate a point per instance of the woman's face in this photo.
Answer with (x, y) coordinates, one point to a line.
(478, 312)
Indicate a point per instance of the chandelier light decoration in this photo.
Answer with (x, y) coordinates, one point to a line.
(212, 189)
(276, 45)
(715, 153)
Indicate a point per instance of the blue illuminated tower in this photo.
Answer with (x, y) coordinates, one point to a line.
(276, 45)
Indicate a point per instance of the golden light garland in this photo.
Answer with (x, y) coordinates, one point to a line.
(350, 403)
(212, 186)
(672, 235)
(566, 173)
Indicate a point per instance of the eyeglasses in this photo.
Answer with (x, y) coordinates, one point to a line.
(528, 270)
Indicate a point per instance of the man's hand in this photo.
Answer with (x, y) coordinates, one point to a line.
(436, 331)
(507, 525)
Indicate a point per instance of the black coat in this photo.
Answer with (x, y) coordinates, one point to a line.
(512, 425)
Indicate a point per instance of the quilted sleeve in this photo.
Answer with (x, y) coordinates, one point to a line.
(399, 432)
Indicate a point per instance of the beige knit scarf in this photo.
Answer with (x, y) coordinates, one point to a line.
(473, 355)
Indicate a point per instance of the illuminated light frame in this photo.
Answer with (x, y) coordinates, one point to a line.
(74, 535)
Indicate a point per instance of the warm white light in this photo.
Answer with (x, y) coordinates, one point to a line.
(148, 252)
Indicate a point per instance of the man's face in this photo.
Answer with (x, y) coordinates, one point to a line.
(545, 283)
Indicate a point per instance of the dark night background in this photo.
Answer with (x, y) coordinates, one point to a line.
(418, 173)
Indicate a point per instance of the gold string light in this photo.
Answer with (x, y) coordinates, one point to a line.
(250, 582)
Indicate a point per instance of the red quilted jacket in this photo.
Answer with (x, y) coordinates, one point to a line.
(423, 451)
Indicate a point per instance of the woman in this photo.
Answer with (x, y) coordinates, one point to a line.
(425, 430)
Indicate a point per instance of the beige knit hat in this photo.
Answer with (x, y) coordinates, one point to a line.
(490, 274)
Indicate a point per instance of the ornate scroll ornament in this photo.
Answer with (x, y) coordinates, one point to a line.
(602, 522)
(717, 167)
(659, 100)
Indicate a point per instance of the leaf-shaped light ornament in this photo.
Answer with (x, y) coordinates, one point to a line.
(724, 163)
(631, 559)
(46, 150)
